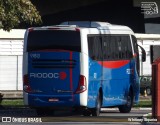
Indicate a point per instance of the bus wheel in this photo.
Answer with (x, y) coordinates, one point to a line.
(96, 110)
(127, 107)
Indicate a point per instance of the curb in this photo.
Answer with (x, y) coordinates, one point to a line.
(12, 94)
(133, 109)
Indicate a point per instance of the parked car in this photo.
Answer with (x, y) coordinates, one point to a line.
(146, 84)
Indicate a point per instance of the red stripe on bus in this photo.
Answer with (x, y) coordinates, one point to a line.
(114, 64)
(71, 75)
(70, 71)
(52, 50)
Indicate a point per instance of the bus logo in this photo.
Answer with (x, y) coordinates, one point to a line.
(61, 75)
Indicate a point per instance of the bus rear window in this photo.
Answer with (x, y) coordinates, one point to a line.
(53, 39)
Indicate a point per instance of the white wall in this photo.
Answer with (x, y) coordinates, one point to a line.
(11, 50)
(10, 72)
(145, 40)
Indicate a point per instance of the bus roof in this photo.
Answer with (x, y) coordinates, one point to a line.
(75, 25)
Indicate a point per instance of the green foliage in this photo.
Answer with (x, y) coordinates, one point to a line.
(144, 104)
(14, 12)
(9, 102)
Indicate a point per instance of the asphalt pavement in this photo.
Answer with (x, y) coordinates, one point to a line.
(108, 116)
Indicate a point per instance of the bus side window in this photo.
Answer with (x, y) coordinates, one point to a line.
(116, 47)
(126, 45)
(110, 47)
(135, 47)
(113, 46)
(95, 47)
(120, 53)
(106, 47)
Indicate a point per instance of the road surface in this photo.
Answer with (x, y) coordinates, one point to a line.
(107, 116)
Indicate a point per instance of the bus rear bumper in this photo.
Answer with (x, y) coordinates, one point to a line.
(37, 100)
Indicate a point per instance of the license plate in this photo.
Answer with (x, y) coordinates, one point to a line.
(53, 100)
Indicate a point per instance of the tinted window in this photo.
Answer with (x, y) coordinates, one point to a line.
(53, 39)
(95, 47)
(116, 47)
(135, 47)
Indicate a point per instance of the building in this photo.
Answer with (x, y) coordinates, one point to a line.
(145, 40)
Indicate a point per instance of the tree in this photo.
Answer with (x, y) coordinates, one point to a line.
(14, 12)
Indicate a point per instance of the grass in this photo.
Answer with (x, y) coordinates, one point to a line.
(19, 102)
(143, 104)
(9, 102)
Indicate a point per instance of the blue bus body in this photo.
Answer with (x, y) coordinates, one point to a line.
(80, 73)
(51, 77)
(115, 78)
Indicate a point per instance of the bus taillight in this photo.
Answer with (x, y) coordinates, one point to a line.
(77, 29)
(82, 85)
(26, 86)
(30, 29)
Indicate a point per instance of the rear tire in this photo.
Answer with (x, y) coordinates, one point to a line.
(96, 111)
(127, 107)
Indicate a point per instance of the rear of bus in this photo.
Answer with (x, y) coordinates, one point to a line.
(51, 68)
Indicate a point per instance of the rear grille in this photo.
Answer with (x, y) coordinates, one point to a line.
(53, 64)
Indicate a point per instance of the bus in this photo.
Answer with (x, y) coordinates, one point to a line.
(81, 65)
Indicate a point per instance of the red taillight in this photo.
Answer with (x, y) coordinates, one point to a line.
(30, 29)
(25, 79)
(77, 29)
(26, 86)
(82, 85)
